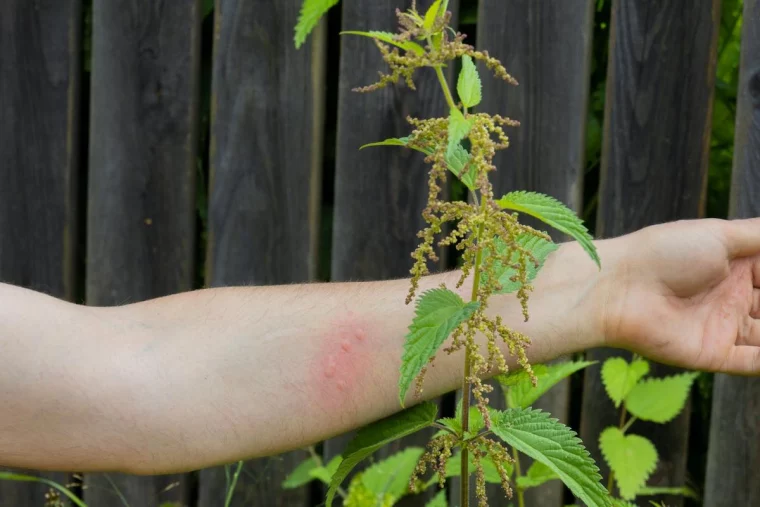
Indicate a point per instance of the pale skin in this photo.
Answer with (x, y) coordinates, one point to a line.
(209, 377)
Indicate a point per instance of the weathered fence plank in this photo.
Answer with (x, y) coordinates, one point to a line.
(656, 139)
(141, 213)
(379, 193)
(734, 451)
(266, 150)
(546, 46)
(40, 47)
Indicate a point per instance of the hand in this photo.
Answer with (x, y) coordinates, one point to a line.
(688, 294)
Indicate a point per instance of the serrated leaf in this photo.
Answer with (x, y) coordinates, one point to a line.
(325, 473)
(371, 438)
(544, 439)
(391, 475)
(522, 394)
(619, 377)
(537, 474)
(311, 12)
(300, 475)
(388, 38)
(393, 141)
(431, 14)
(459, 127)
(439, 500)
(438, 313)
(552, 212)
(538, 246)
(451, 423)
(469, 86)
(660, 399)
(632, 458)
(457, 160)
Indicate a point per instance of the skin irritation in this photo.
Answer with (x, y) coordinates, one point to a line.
(344, 360)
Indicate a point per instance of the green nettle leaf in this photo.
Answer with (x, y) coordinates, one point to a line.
(453, 424)
(544, 439)
(456, 161)
(431, 15)
(683, 491)
(393, 141)
(325, 473)
(552, 212)
(300, 475)
(311, 12)
(522, 394)
(619, 377)
(391, 476)
(371, 438)
(438, 313)
(537, 474)
(469, 87)
(439, 500)
(632, 458)
(660, 399)
(459, 127)
(387, 37)
(539, 247)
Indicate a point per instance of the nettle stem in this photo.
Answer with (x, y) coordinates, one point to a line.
(465, 464)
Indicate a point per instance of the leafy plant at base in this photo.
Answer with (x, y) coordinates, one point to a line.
(499, 255)
(633, 458)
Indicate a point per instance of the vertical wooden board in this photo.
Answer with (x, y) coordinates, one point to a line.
(654, 162)
(141, 210)
(266, 152)
(734, 451)
(40, 68)
(379, 193)
(546, 46)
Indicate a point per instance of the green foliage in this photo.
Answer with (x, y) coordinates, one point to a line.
(683, 491)
(469, 87)
(390, 477)
(438, 313)
(519, 390)
(536, 245)
(660, 399)
(10, 476)
(387, 37)
(439, 500)
(554, 213)
(632, 458)
(301, 474)
(371, 438)
(456, 161)
(620, 377)
(459, 127)
(325, 473)
(431, 14)
(489, 468)
(544, 439)
(537, 474)
(311, 12)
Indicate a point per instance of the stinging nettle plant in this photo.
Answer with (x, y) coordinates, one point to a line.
(499, 255)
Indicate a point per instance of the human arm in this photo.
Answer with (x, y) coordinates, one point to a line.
(209, 377)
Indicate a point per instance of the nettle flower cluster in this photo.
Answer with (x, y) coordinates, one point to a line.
(499, 255)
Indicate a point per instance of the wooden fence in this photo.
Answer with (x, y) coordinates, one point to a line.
(104, 197)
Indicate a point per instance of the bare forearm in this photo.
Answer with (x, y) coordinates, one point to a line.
(212, 376)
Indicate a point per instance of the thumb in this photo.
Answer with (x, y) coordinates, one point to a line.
(742, 237)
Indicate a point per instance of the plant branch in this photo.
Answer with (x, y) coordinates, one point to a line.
(518, 473)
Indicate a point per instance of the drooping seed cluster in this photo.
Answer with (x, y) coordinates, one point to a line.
(490, 239)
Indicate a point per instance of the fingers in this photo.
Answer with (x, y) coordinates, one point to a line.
(754, 312)
(742, 237)
(742, 360)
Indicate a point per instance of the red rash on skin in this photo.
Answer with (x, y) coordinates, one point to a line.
(342, 362)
